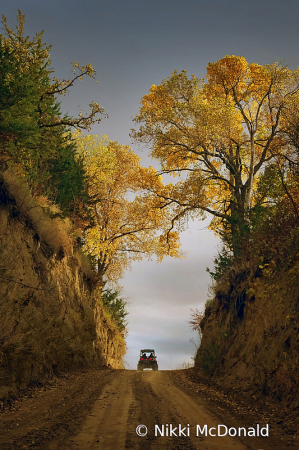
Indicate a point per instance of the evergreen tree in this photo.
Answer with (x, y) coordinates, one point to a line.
(35, 139)
(116, 306)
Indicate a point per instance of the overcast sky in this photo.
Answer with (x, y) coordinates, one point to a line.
(132, 45)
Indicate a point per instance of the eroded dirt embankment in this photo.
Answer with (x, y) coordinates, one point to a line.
(51, 320)
(250, 336)
(100, 409)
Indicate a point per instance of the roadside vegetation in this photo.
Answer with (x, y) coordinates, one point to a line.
(116, 306)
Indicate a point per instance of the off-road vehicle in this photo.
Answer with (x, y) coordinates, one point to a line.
(147, 360)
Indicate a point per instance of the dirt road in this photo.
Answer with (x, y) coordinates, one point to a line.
(102, 409)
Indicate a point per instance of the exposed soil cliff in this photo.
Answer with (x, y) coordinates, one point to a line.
(51, 319)
(250, 336)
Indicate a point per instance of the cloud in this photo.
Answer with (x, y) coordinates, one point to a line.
(161, 297)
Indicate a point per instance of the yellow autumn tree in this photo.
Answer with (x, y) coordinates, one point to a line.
(221, 134)
(130, 221)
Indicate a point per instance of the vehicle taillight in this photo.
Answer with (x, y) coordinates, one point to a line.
(151, 358)
(142, 359)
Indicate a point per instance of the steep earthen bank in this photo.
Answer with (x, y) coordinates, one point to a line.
(250, 336)
(51, 319)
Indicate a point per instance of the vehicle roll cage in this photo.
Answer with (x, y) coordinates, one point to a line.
(147, 350)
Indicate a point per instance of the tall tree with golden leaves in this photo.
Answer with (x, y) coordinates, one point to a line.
(130, 221)
(220, 133)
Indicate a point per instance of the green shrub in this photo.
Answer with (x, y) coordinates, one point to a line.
(116, 306)
(222, 263)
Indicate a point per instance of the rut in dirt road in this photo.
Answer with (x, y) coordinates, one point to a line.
(101, 409)
(148, 398)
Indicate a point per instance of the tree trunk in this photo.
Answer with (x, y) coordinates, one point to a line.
(239, 229)
(247, 203)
